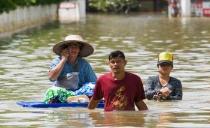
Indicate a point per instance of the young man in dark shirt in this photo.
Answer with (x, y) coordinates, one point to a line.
(163, 86)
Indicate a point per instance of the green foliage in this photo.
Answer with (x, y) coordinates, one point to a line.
(7, 5)
(113, 5)
(45, 2)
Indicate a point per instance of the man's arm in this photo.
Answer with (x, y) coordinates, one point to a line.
(149, 88)
(141, 105)
(93, 103)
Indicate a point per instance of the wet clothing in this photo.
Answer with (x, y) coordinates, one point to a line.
(119, 94)
(57, 95)
(72, 77)
(153, 86)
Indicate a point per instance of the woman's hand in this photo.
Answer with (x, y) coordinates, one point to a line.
(165, 91)
(65, 53)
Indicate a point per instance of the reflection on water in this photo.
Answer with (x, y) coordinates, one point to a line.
(25, 57)
(118, 119)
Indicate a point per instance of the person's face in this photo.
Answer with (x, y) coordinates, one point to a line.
(165, 68)
(117, 65)
(74, 50)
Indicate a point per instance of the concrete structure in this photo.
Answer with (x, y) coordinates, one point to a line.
(185, 8)
(26, 17)
(33, 16)
(206, 8)
(178, 8)
(195, 8)
(71, 11)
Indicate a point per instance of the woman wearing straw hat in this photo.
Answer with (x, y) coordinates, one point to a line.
(163, 86)
(69, 69)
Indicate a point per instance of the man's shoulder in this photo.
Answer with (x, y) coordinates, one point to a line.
(131, 75)
(175, 79)
(105, 75)
(153, 77)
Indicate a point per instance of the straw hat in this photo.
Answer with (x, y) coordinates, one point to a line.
(85, 48)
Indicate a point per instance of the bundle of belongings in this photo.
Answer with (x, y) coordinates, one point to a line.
(61, 95)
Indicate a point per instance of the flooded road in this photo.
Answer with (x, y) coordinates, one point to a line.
(26, 56)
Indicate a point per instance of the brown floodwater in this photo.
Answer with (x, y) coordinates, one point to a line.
(24, 61)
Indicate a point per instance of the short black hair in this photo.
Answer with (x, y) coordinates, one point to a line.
(116, 54)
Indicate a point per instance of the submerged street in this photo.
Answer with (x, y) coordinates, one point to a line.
(25, 59)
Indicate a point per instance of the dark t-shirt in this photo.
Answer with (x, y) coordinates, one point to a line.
(119, 94)
(153, 85)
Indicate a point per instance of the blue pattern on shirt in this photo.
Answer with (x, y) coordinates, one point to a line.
(86, 73)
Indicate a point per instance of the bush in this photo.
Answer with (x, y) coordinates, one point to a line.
(7, 5)
(117, 6)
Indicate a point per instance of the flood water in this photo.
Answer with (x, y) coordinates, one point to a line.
(24, 61)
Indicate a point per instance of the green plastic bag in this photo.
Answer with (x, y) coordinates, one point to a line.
(57, 95)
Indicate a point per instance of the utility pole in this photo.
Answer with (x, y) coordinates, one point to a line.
(185, 8)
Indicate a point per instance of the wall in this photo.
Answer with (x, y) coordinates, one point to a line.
(72, 11)
(26, 17)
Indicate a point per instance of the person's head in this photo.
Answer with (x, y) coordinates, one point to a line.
(165, 62)
(117, 61)
(75, 44)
